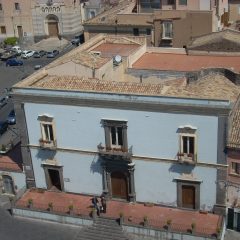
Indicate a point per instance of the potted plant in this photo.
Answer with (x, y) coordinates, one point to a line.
(30, 202)
(3, 149)
(169, 222)
(50, 206)
(70, 208)
(145, 221)
(121, 218)
(193, 227)
(130, 218)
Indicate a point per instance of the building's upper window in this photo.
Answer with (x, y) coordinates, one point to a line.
(167, 31)
(48, 132)
(3, 30)
(17, 6)
(235, 168)
(187, 144)
(115, 135)
(182, 2)
(1, 7)
(136, 32)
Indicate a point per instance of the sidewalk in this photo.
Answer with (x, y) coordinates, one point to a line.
(181, 220)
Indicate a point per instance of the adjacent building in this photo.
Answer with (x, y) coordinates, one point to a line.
(112, 117)
(34, 20)
(164, 23)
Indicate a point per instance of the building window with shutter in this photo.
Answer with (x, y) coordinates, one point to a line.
(3, 30)
(167, 30)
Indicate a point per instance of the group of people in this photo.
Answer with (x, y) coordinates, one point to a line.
(100, 207)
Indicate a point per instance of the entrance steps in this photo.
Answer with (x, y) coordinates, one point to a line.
(102, 229)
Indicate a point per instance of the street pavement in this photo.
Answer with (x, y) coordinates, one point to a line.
(232, 235)
(16, 228)
(11, 75)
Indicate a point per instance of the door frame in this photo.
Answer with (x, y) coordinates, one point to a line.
(51, 18)
(196, 185)
(110, 165)
(47, 167)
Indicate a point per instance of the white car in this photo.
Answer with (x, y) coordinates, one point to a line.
(17, 49)
(27, 53)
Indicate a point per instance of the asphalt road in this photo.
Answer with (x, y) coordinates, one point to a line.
(11, 75)
(12, 228)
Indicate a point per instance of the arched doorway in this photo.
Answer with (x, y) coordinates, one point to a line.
(8, 184)
(52, 23)
(119, 185)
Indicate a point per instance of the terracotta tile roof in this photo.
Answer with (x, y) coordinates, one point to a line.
(88, 59)
(180, 62)
(112, 49)
(109, 16)
(224, 41)
(234, 135)
(12, 161)
(213, 86)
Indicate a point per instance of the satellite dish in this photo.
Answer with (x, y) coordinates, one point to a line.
(118, 59)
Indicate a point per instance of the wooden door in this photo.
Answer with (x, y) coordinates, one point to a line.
(55, 179)
(20, 31)
(188, 197)
(53, 29)
(119, 185)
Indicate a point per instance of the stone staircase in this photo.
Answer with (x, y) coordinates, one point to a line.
(102, 229)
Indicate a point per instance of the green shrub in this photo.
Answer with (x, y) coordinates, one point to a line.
(11, 41)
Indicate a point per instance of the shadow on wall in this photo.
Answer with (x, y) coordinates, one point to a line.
(45, 154)
(96, 165)
(181, 168)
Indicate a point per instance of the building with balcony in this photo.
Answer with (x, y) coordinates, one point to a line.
(114, 117)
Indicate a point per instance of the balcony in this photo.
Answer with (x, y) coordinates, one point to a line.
(187, 158)
(114, 152)
(52, 145)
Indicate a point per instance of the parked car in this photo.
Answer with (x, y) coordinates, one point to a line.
(8, 54)
(14, 62)
(76, 40)
(17, 49)
(39, 54)
(27, 54)
(11, 118)
(38, 66)
(3, 101)
(3, 127)
(52, 54)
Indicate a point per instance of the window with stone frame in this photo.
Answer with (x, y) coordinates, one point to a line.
(115, 135)
(17, 6)
(48, 132)
(235, 168)
(187, 143)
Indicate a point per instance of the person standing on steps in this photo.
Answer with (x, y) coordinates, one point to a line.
(104, 204)
(95, 203)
